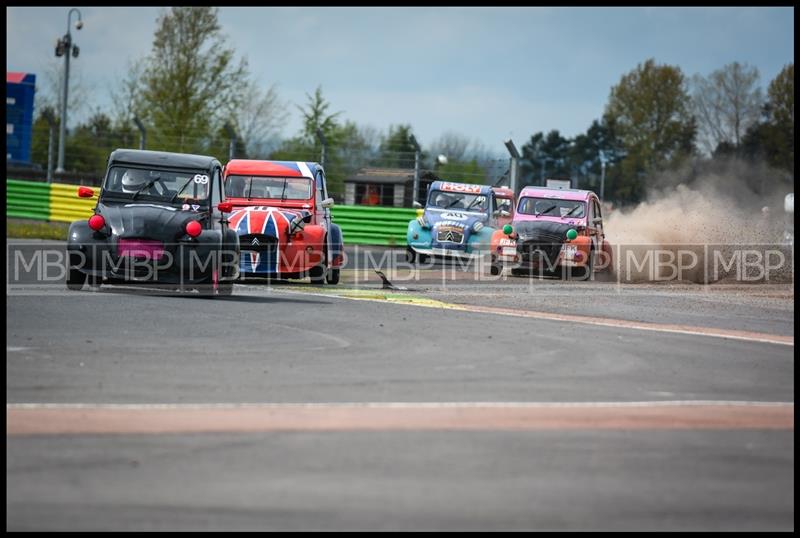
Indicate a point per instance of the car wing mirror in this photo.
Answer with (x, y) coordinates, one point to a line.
(85, 192)
(225, 207)
(297, 224)
(416, 204)
(326, 203)
(597, 220)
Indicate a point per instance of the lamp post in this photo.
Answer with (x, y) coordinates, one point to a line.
(51, 121)
(64, 47)
(231, 140)
(324, 142)
(142, 131)
(514, 165)
(417, 150)
(603, 162)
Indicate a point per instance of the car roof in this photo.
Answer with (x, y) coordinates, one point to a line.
(454, 186)
(272, 168)
(505, 191)
(163, 158)
(562, 194)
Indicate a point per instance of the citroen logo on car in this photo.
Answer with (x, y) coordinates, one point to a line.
(255, 241)
(448, 236)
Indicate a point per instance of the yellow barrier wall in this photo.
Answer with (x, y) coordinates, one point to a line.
(65, 206)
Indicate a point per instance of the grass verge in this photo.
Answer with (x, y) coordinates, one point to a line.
(36, 229)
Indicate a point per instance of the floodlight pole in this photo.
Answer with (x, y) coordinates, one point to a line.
(324, 142)
(513, 168)
(603, 161)
(232, 138)
(142, 132)
(67, 53)
(416, 168)
(51, 121)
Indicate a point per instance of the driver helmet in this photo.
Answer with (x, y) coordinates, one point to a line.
(133, 180)
(442, 200)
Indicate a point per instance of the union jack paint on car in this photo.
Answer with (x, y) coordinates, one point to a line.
(281, 213)
(458, 220)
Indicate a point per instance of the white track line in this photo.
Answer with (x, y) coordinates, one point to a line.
(398, 405)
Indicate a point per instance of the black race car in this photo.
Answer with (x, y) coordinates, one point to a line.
(159, 220)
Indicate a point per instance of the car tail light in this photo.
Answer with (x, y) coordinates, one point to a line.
(96, 222)
(193, 228)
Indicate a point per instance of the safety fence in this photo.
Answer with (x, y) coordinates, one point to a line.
(361, 225)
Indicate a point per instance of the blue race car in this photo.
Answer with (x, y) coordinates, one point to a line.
(458, 221)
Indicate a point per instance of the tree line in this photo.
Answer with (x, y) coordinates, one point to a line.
(192, 91)
(657, 120)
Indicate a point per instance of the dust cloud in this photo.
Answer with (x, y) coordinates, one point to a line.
(702, 223)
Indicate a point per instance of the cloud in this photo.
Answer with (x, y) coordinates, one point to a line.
(486, 72)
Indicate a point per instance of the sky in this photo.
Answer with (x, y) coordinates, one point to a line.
(488, 74)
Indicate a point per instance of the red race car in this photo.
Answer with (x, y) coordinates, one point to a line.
(281, 212)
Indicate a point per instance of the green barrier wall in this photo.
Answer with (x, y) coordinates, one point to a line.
(361, 225)
(27, 199)
(370, 225)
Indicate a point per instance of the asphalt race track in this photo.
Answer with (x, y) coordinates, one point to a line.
(456, 404)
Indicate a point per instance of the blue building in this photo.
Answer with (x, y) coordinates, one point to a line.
(20, 88)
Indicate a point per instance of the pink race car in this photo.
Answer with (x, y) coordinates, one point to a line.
(553, 229)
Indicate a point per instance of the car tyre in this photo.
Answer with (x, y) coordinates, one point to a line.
(317, 274)
(333, 276)
(75, 279)
(583, 273)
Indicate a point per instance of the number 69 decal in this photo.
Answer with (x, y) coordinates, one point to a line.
(201, 179)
